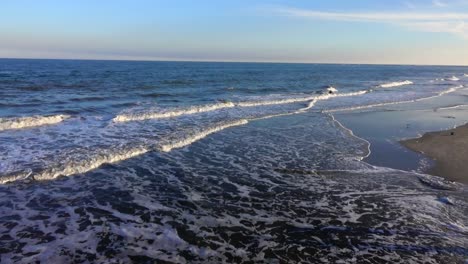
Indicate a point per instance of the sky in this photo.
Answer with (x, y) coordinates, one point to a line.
(319, 31)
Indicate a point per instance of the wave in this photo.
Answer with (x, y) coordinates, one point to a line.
(75, 167)
(453, 79)
(175, 113)
(451, 107)
(9, 123)
(395, 84)
(451, 90)
(200, 135)
(223, 105)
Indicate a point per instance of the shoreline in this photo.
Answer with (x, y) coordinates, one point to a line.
(449, 150)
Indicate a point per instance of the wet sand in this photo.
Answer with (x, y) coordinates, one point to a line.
(448, 148)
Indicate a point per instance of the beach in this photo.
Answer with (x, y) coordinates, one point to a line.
(448, 148)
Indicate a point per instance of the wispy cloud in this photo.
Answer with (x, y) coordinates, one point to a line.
(447, 22)
(439, 3)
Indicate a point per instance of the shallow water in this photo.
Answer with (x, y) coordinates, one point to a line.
(221, 162)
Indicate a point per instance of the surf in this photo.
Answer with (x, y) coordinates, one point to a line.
(219, 106)
(9, 123)
(395, 84)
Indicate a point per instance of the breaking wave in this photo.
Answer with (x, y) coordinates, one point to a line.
(175, 113)
(91, 162)
(200, 135)
(223, 105)
(395, 84)
(76, 167)
(453, 79)
(9, 123)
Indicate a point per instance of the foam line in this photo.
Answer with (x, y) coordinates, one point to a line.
(395, 84)
(76, 167)
(353, 135)
(200, 135)
(453, 79)
(219, 106)
(175, 113)
(8, 123)
(451, 90)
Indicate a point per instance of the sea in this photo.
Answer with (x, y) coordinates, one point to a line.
(204, 162)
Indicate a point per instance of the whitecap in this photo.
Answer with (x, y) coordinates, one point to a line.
(8, 123)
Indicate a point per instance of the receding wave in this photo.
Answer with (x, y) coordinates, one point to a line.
(395, 84)
(360, 107)
(451, 107)
(223, 105)
(200, 135)
(9, 123)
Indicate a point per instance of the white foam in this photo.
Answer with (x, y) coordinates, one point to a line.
(200, 135)
(93, 161)
(466, 74)
(73, 167)
(309, 106)
(77, 167)
(451, 107)
(353, 135)
(9, 123)
(214, 107)
(451, 90)
(175, 113)
(395, 84)
(298, 99)
(453, 79)
(331, 90)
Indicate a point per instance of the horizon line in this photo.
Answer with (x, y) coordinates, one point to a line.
(233, 61)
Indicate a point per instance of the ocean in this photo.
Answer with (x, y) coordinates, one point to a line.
(201, 162)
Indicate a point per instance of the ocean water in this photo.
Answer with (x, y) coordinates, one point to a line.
(183, 162)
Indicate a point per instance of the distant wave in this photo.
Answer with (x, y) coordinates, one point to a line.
(200, 135)
(453, 79)
(223, 105)
(466, 74)
(451, 90)
(30, 121)
(395, 84)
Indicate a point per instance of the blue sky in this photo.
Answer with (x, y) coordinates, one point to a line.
(330, 31)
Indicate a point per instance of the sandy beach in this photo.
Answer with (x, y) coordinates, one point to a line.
(448, 148)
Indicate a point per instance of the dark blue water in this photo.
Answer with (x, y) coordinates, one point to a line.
(221, 162)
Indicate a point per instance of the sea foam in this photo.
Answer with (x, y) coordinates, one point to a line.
(200, 135)
(453, 79)
(174, 113)
(395, 84)
(72, 167)
(8, 123)
(450, 90)
(95, 160)
(223, 105)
